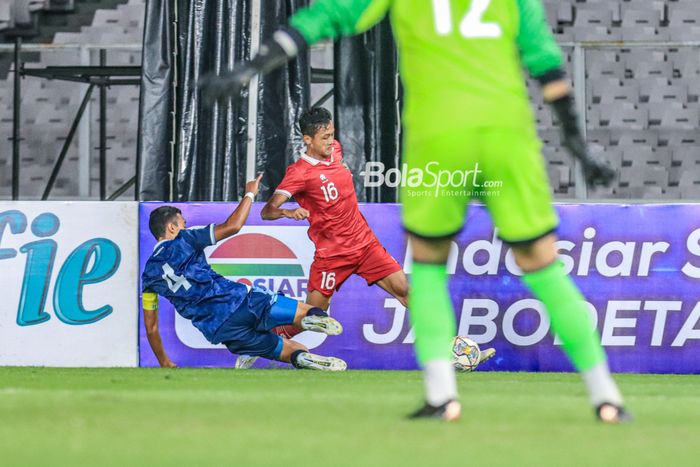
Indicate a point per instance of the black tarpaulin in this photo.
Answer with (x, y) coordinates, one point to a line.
(367, 105)
(210, 145)
(210, 142)
(283, 96)
(154, 141)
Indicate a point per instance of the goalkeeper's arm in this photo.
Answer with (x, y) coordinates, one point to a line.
(557, 92)
(323, 19)
(542, 56)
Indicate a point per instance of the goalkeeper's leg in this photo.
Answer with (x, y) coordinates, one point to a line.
(432, 317)
(544, 275)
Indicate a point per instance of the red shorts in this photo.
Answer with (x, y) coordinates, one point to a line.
(372, 263)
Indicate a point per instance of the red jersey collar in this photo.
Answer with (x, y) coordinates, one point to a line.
(313, 161)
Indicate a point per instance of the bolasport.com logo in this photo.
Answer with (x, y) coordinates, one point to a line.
(432, 180)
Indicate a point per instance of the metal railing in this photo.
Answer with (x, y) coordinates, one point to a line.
(93, 76)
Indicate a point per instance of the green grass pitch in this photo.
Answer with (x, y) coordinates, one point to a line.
(282, 418)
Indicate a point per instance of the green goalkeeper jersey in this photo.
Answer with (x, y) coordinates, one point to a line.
(460, 60)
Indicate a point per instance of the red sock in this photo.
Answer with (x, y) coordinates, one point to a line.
(287, 331)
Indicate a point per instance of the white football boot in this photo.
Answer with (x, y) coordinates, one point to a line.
(324, 324)
(486, 354)
(243, 362)
(319, 362)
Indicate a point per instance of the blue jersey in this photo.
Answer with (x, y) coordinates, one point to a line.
(178, 270)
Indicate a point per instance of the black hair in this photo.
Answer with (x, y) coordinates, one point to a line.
(160, 218)
(313, 120)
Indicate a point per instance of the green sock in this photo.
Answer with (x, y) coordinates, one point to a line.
(431, 312)
(568, 314)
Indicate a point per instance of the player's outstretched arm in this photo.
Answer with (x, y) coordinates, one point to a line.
(542, 57)
(273, 211)
(236, 220)
(324, 19)
(150, 320)
(557, 92)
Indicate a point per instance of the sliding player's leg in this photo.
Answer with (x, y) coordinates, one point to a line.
(523, 213)
(278, 310)
(298, 355)
(268, 345)
(327, 275)
(319, 300)
(273, 310)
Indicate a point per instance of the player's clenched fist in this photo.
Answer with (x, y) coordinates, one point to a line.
(298, 214)
(253, 186)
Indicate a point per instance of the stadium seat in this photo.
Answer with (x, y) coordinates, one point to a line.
(624, 115)
(648, 85)
(565, 12)
(682, 15)
(5, 15)
(690, 192)
(642, 33)
(658, 6)
(598, 136)
(631, 57)
(690, 178)
(643, 176)
(669, 94)
(596, 86)
(686, 157)
(645, 156)
(646, 137)
(640, 18)
(594, 32)
(645, 69)
(680, 118)
(686, 62)
(559, 177)
(550, 138)
(592, 17)
(601, 5)
(679, 138)
(599, 66)
(620, 94)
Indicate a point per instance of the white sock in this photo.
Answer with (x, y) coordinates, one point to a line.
(601, 386)
(440, 382)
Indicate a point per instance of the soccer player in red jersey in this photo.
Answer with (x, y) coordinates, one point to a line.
(345, 244)
(322, 185)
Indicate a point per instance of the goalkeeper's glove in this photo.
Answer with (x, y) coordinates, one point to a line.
(596, 171)
(284, 45)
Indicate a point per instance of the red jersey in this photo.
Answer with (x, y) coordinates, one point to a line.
(326, 190)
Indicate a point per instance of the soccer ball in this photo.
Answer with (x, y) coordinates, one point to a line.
(465, 354)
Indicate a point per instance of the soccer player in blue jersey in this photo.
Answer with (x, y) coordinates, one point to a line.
(224, 311)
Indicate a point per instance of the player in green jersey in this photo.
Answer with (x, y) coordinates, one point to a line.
(467, 112)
